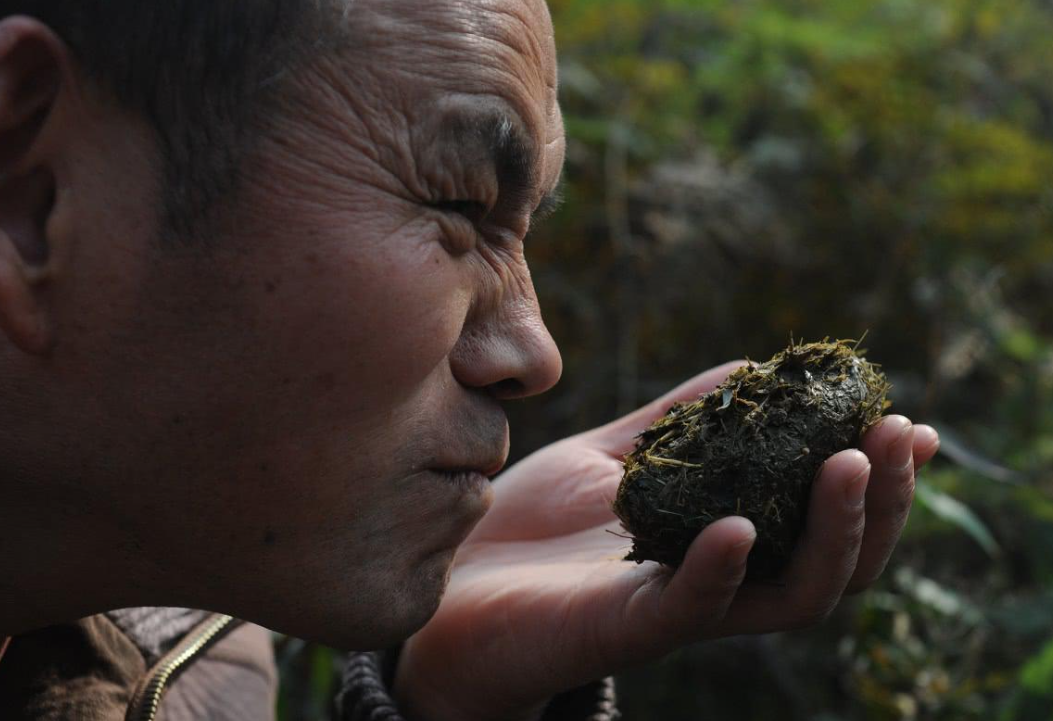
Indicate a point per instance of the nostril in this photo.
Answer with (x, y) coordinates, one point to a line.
(508, 388)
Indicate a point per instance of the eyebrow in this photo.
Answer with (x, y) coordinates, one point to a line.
(512, 153)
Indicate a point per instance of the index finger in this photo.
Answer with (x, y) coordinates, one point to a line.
(619, 437)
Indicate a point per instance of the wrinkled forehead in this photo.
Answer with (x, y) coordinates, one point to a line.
(426, 59)
(460, 44)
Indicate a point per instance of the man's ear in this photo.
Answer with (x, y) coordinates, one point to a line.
(32, 62)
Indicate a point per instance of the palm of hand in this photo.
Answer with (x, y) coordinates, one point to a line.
(533, 576)
(540, 600)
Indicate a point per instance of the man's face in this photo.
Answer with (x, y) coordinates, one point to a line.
(280, 421)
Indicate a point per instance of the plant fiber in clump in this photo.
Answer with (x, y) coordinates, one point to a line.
(751, 447)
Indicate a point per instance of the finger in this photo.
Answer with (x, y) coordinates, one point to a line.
(704, 586)
(669, 611)
(890, 446)
(926, 444)
(618, 437)
(823, 561)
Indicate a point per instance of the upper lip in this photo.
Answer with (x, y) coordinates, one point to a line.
(483, 444)
(488, 468)
(494, 468)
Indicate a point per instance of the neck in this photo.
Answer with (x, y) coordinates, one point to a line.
(56, 564)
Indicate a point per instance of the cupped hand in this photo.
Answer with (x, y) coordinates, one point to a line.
(540, 600)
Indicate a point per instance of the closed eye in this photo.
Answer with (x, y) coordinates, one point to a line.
(471, 210)
(549, 204)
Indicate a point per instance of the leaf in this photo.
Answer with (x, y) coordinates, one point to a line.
(1033, 696)
(937, 597)
(957, 513)
(322, 674)
(726, 399)
(1037, 674)
(1022, 344)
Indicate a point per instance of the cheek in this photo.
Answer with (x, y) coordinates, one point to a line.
(376, 320)
(341, 353)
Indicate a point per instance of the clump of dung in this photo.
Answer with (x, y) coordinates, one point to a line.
(752, 447)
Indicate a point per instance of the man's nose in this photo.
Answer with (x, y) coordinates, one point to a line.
(510, 353)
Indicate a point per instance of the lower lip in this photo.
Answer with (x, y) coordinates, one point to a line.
(468, 481)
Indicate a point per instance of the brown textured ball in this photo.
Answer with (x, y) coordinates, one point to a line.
(752, 447)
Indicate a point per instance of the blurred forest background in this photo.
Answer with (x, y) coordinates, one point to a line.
(738, 170)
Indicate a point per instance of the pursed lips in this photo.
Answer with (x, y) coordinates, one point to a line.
(482, 447)
(489, 465)
(488, 462)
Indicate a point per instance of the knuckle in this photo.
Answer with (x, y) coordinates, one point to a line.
(854, 531)
(813, 614)
(905, 498)
(864, 582)
(714, 602)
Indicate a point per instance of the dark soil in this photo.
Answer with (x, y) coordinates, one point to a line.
(752, 447)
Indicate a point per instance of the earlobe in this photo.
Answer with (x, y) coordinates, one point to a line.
(22, 317)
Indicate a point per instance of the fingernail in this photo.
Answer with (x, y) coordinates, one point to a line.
(901, 450)
(735, 560)
(856, 490)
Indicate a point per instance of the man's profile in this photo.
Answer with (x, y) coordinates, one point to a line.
(263, 293)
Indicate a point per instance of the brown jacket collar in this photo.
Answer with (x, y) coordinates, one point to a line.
(121, 666)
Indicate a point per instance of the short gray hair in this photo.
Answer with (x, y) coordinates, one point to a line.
(202, 72)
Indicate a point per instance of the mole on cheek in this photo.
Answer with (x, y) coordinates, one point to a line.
(269, 537)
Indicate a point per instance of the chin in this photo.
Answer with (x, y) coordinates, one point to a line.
(376, 615)
(419, 598)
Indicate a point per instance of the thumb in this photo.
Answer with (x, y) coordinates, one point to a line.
(690, 604)
(703, 588)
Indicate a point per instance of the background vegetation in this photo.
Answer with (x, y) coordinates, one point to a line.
(742, 169)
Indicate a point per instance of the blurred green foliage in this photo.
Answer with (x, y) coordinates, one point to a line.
(740, 170)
